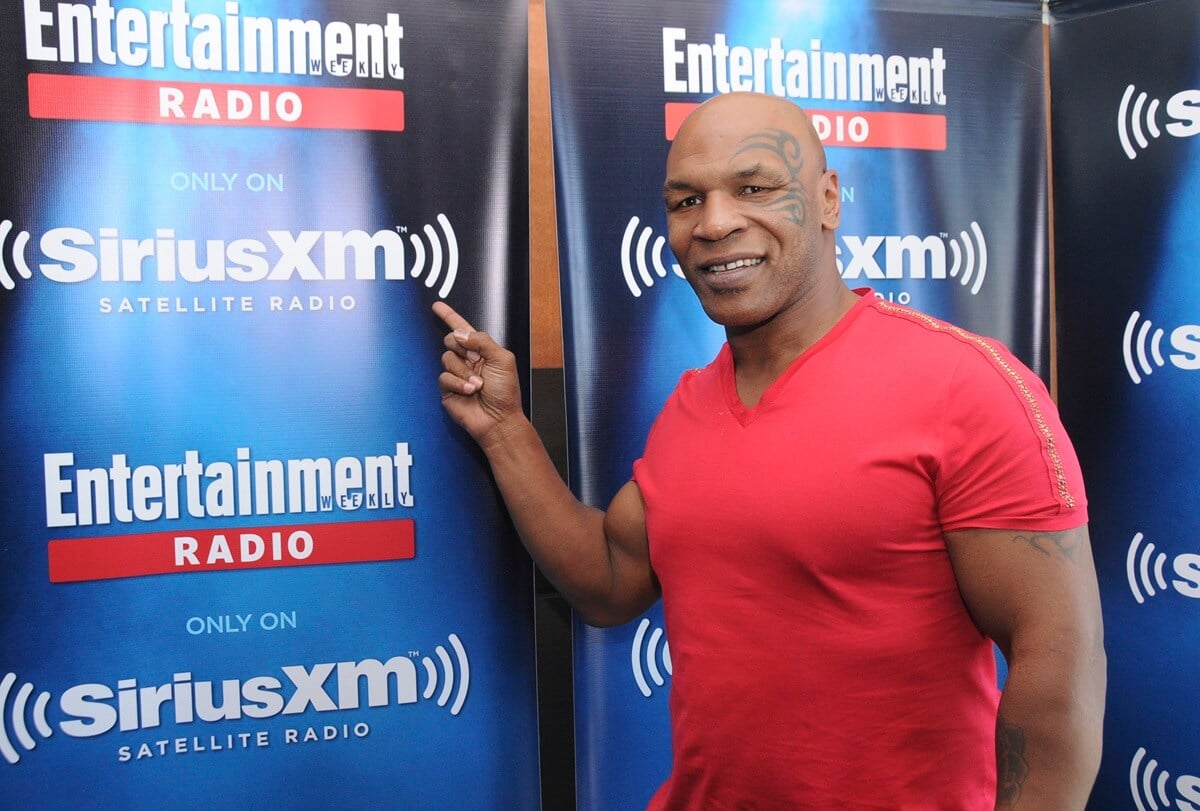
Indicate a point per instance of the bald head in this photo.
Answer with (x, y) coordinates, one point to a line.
(736, 116)
(752, 209)
(754, 140)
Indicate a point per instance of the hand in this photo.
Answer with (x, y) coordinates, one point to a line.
(480, 388)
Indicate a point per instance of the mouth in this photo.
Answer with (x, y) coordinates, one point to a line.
(736, 264)
(731, 276)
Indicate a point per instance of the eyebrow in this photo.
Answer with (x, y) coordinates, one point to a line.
(672, 185)
(757, 170)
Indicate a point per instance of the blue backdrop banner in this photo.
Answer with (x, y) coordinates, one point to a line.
(933, 113)
(1127, 199)
(247, 561)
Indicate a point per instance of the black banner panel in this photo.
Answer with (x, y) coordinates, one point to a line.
(934, 115)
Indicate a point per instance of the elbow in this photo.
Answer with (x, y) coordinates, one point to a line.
(1065, 688)
(605, 616)
(612, 609)
(594, 620)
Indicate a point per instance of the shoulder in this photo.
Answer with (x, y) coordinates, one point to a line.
(987, 385)
(704, 379)
(914, 325)
(973, 355)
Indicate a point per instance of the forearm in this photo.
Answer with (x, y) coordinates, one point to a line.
(565, 537)
(1049, 729)
(598, 561)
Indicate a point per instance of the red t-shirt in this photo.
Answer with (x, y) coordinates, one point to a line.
(823, 657)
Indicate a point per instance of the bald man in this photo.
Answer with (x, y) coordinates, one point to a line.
(840, 513)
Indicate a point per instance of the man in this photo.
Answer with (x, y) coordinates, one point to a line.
(839, 513)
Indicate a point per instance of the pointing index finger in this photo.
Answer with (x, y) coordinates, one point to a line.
(451, 318)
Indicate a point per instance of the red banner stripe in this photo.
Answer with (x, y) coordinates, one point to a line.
(96, 98)
(925, 131)
(196, 550)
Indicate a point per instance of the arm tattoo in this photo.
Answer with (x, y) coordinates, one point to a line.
(1065, 543)
(1011, 766)
(787, 148)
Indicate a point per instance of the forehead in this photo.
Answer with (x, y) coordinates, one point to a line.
(733, 155)
(734, 139)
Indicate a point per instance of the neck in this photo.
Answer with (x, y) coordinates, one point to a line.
(762, 353)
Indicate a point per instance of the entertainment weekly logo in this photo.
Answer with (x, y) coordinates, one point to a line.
(1145, 567)
(1142, 347)
(875, 257)
(1138, 118)
(811, 72)
(1150, 786)
(123, 502)
(106, 256)
(198, 45)
(183, 715)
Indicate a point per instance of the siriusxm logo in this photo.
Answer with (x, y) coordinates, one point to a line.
(1140, 119)
(94, 709)
(74, 255)
(917, 257)
(1150, 786)
(645, 649)
(875, 257)
(1142, 347)
(1144, 569)
(638, 255)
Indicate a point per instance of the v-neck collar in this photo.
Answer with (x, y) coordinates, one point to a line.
(725, 366)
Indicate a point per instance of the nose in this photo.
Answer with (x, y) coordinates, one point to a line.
(719, 216)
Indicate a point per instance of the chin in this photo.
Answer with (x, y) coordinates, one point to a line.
(730, 315)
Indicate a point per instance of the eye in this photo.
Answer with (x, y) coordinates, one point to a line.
(683, 202)
(753, 189)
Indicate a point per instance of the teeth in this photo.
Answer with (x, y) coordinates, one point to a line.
(734, 265)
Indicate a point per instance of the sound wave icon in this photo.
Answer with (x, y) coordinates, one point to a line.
(643, 256)
(969, 261)
(1143, 785)
(435, 256)
(18, 256)
(17, 716)
(1136, 345)
(1130, 120)
(1137, 569)
(646, 648)
(447, 680)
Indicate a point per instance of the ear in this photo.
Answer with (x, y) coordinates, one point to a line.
(831, 200)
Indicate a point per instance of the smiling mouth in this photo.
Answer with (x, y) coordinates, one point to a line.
(734, 265)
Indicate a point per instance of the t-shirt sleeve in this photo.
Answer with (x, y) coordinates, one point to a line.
(1007, 462)
(656, 430)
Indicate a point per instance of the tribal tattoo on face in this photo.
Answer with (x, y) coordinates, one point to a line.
(786, 147)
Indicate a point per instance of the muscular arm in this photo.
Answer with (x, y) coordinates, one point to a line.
(599, 561)
(1035, 594)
